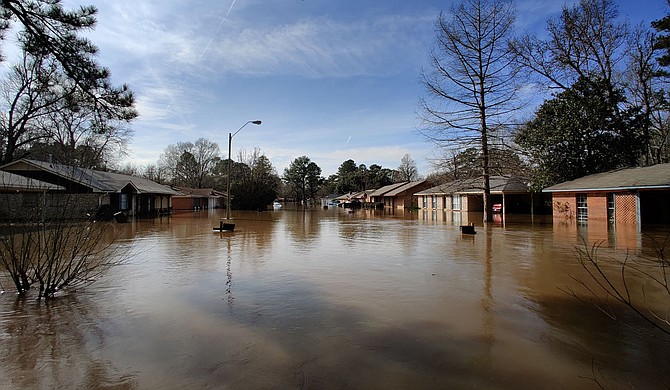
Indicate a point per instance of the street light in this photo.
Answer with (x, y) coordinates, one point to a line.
(230, 142)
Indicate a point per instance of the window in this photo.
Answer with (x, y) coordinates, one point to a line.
(582, 209)
(124, 201)
(456, 202)
(425, 201)
(610, 207)
(434, 201)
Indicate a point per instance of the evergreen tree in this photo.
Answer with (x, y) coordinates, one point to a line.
(580, 132)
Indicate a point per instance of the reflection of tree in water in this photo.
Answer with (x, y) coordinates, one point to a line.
(620, 356)
(303, 226)
(52, 344)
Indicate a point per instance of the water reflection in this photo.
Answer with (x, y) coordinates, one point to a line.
(57, 344)
(329, 299)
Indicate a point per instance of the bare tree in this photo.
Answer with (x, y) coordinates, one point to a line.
(44, 112)
(585, 41)
(407, 170)
(471, 83)
(190, 164)
(28, 95)
(646, 81)
(613, 282)
(49, 243)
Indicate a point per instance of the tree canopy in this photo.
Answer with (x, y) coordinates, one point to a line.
(303, 177)
(582, 131)
(58, 99)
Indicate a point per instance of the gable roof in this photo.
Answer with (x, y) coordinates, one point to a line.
(96, 181)
(651, 177)
(198, 192)
(404, 187)
(383, 190)
(498, 185)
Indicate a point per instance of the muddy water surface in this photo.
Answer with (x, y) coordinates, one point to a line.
(332, 300)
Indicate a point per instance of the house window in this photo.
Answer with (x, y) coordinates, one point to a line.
(444, 202)
(610, 207)
(434, 201)
(425, 201)
(582, 209)
(124, 201)
(456, 202)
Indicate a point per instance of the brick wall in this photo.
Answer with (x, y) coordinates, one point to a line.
(625, 206)
(597, 206)
(564, 206)
(31, 206)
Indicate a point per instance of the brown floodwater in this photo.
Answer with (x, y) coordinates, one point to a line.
(331, 300)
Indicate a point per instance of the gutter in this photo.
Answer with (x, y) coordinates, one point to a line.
(596, 189)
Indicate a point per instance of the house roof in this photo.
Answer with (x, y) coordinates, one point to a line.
(383, 190)
(97, 181)
(354, 195)
(651, 177)
(403, 188)
(199, 192)
(12, 182)
(498, 185)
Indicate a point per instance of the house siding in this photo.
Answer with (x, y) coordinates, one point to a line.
(34, 206)
(564, 206)
(597, 207)
(625, 208)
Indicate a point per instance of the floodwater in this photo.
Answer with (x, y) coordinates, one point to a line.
(333, 300)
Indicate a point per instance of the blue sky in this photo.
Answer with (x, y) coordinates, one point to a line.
(330, 79)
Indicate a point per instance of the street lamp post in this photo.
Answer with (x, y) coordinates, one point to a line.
(230, 142)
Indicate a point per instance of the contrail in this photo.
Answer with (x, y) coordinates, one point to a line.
(218, 29)
(348, 139)
(230, 9)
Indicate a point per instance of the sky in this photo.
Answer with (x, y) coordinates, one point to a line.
(329, 79)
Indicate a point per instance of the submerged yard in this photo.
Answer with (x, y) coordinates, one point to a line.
(327, 299)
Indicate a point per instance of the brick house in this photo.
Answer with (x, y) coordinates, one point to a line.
(626, 198)
(86, 191)
(511, 193)
(197, 199)
(398, 196)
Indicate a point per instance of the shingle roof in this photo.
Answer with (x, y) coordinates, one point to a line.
(98, 181)
(498, 184)
(199, 192)
(383, 190)
(405, 187)
(651, 177)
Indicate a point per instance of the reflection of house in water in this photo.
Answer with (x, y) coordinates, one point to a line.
(462, 201)
(627, 199)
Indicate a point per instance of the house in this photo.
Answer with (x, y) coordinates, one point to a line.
(197, 199)
(398, 196)
(88, 191)
(509, 195)
(354, 199)
(330, 201)
(634, 197)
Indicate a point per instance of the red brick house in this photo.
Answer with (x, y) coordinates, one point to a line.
(197, 199)
(633, 197)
